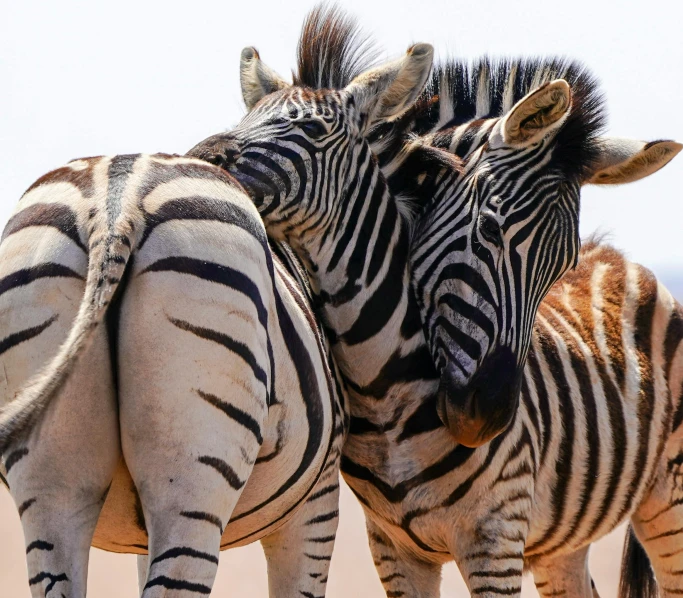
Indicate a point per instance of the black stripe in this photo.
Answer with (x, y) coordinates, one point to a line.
(54, 215)
(224, 469)
(234, 413)
(28, 275)
(642, 338)
(228, 342)
(674, 334)
(311, 393)
(325, 540)
(592, 453)
(395, 494)
(423, 419)
(40, 545)
(14, 457)
(212, 272)
(24, 506)
(566, 441)
(323, 492)
(43, 575)
(380, 307)
(186, 551)
(3, 480)
(178, 584)
(317, 557)
(323, 518)
(203, 516)
(24, 335)
(159, 173)
(205, 208)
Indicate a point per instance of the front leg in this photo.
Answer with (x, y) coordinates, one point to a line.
(490, 551)
(565, 575)
(402, 574)
(299, 553)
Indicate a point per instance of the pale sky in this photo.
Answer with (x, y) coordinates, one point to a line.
(91, 78)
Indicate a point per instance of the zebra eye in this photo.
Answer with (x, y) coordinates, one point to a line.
(313, 128)
(490, 229)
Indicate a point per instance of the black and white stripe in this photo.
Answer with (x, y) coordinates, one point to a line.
(301, 153)
(207, 373)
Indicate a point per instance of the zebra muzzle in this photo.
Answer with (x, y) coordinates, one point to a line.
(477, 413)
(466, 429)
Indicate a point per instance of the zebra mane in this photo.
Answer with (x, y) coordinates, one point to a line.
(332, 49)
(459, 92)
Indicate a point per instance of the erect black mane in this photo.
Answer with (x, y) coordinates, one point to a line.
(332, 50)
(487, 88)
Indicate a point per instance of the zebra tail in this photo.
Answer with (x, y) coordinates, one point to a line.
(637, 577)
(107, 261)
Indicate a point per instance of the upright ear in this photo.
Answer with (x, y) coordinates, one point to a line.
(537, 114)
(385, 92)
(256, 78)
(627, 160)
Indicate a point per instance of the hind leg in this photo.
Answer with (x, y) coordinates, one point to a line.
(60, 475)
(565, 575)
(299, 553)
(192, 416)
(658, 524)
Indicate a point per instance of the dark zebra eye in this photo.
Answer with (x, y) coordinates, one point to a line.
(490, 229)
(313, 128)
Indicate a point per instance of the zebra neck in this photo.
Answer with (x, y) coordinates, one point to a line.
(358, 266)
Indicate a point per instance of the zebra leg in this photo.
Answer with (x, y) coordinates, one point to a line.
(658, 525)
(189, 478)
(60, 474)
(192, 418)
(187, 502)
(402, 574)
(565, 575)
(143, 570)
(490, 554)
(299, 553)
(59, 480)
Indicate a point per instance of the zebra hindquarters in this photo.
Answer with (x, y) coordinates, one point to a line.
(194, 379)
(60, 473)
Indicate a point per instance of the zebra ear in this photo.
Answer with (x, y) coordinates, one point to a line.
(627, 160)
(537, 114)
(385, 92)
(256, 78)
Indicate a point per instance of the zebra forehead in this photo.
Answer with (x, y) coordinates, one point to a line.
(298, 101)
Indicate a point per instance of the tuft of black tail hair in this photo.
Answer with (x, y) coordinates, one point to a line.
(637, 577)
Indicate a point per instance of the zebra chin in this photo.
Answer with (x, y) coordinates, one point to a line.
(477, 413)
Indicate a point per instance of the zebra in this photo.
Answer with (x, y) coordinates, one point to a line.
(187, 400)
(452, 115)
(437, 422)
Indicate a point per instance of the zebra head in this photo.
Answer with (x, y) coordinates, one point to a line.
(300, 149)
(488, 245)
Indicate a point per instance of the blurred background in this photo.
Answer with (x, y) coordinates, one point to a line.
(91, 78)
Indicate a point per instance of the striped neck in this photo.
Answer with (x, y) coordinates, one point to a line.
(357, 261)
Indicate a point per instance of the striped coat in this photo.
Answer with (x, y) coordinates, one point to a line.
(191, 404)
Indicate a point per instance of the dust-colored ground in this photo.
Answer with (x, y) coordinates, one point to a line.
(242, 572)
